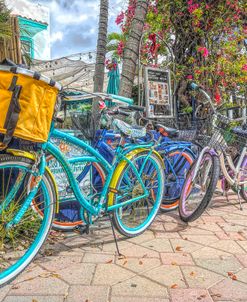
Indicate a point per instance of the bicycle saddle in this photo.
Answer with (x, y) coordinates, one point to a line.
(240, 131)
(166, 131)
(132, 131)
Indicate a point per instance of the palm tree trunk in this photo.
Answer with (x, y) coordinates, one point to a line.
(131, 50)
(101, 47)
(100, 60)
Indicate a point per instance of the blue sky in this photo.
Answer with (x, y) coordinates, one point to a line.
(74, 24)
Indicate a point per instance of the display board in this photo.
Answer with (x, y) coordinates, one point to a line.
(158, 93)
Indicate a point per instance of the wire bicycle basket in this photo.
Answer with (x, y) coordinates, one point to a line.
(227, 134)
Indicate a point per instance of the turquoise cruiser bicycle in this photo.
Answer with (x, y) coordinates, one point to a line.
(131, 195)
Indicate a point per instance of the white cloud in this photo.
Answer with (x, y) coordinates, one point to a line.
(71, 18)
(56, 36)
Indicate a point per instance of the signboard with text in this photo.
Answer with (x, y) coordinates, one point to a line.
(158, 93)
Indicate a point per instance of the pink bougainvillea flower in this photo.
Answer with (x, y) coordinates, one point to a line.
(217, 97)
(204, 51)
(120, 18)
(120, 48)
(189, 77)
(244, 68)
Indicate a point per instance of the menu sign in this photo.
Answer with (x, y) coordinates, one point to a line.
(158, 93)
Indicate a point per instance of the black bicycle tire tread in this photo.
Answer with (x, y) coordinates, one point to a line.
(209, 194)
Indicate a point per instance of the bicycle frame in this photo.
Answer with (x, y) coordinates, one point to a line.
(162, 147)
(235, 168)
(96, 157)
(224, 157)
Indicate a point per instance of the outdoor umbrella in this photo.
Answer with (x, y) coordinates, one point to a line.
(114, 79)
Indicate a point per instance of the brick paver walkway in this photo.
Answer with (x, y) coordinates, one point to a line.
(204, 261)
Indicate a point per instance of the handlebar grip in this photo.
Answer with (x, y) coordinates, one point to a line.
(122, 99)
(194, 86)
(123, 113)
(137, 108)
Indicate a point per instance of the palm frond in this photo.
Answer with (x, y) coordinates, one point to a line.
(5, 27)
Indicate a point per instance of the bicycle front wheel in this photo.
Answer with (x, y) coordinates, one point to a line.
(197, 194)
(134, 218)
(20, 243)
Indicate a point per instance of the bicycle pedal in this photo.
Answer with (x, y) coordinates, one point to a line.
(82, 229)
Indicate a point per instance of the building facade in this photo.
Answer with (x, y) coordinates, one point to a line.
(33, 30)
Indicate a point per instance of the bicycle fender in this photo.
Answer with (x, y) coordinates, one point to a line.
(31, 156)
(207, 149)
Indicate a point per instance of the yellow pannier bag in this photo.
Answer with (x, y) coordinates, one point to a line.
(27, 102)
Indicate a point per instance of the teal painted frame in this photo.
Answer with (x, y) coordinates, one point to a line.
(121, 154)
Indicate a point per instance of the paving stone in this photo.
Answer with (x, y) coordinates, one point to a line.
(184, 246)
(213, 219)
(191, 294)
(38, 282)
(139, 251)
(210, 253)
(168, 275)
(228, 227)
(59, 262)
(138, 265)
(80, 293)
(243, 244)
(229, 246)
(34, 298)
(98, 258)
(109, 274)
(242, 259)
(176, 259)
(242, 275)
(210, 227)
(221, 266)
(4, 291)
(174, 227)
(80, 273)
(146, 236)
(200, 278)
(136, 299)
(167, 235)
(195, 231)
(229, 290)
(159, 245)
(140, 287)
(204, 240)
(230, 236)
(111, 246)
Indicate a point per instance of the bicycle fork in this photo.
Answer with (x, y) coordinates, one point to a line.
(38, 170)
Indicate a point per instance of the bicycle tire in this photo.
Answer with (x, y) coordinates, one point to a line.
(169, 205)
(209, 192)
(66, 226)
(119, 177)
(49, 185)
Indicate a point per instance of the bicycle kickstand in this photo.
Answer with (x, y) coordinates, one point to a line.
(239, 200)
(114, 235)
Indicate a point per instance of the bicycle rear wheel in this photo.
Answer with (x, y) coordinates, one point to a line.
(133, 219)
(20, 243)
(177, 164)
(91, 179)
(196, 195)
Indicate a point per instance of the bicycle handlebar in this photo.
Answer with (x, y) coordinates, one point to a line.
(104, 96)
